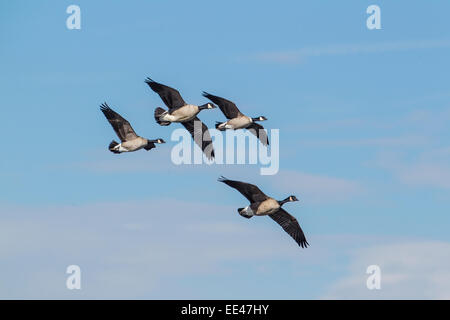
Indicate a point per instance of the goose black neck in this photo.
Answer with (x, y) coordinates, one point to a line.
(284, 201)
(203, 107)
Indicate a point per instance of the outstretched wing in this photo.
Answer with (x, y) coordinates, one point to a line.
(200, 134)
(291, 226)
(170, 96)
(228, 108)
(250, 191)
(121, 126)
(259, 132)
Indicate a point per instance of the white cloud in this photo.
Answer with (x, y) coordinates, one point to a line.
(409, 270)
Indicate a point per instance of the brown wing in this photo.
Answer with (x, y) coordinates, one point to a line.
(200, 134)
(250, 191)
(121, 126)
(291, 226)
(259, 132)
(229, 109)
(170, 96)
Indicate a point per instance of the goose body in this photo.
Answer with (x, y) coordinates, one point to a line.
(181, 112)
(134, 145)
(262, 205)
(267, 207)
(238, 120)
(130, 141)
(262, 208)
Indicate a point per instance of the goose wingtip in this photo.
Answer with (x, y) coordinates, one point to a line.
(304, 244)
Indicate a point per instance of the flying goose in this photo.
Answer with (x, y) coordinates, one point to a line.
(261, 205)
(237, 120)
(186, 114)
(130, 141)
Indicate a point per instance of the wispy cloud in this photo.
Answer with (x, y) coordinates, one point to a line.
(129, 249)
(429, 169)
(299, 55)
(411, 270)
(143, 249)
(317, 188)
(406, 141)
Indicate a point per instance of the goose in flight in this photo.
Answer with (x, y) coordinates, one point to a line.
(130, 141)
(262, 205)
(237, 120)
(186, 114)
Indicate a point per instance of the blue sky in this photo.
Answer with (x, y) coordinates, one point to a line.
(364, 144)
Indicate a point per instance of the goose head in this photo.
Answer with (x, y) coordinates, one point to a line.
(260, 118)
(207, 106)
(291, 198)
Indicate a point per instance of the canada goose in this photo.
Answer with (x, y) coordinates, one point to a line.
(130, 140)
(262, 205)
(237, 120)
(186, 114)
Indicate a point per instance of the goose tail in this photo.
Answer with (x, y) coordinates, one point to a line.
(220, 126)
(243, 212)
(158, 114)
(112, 147)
